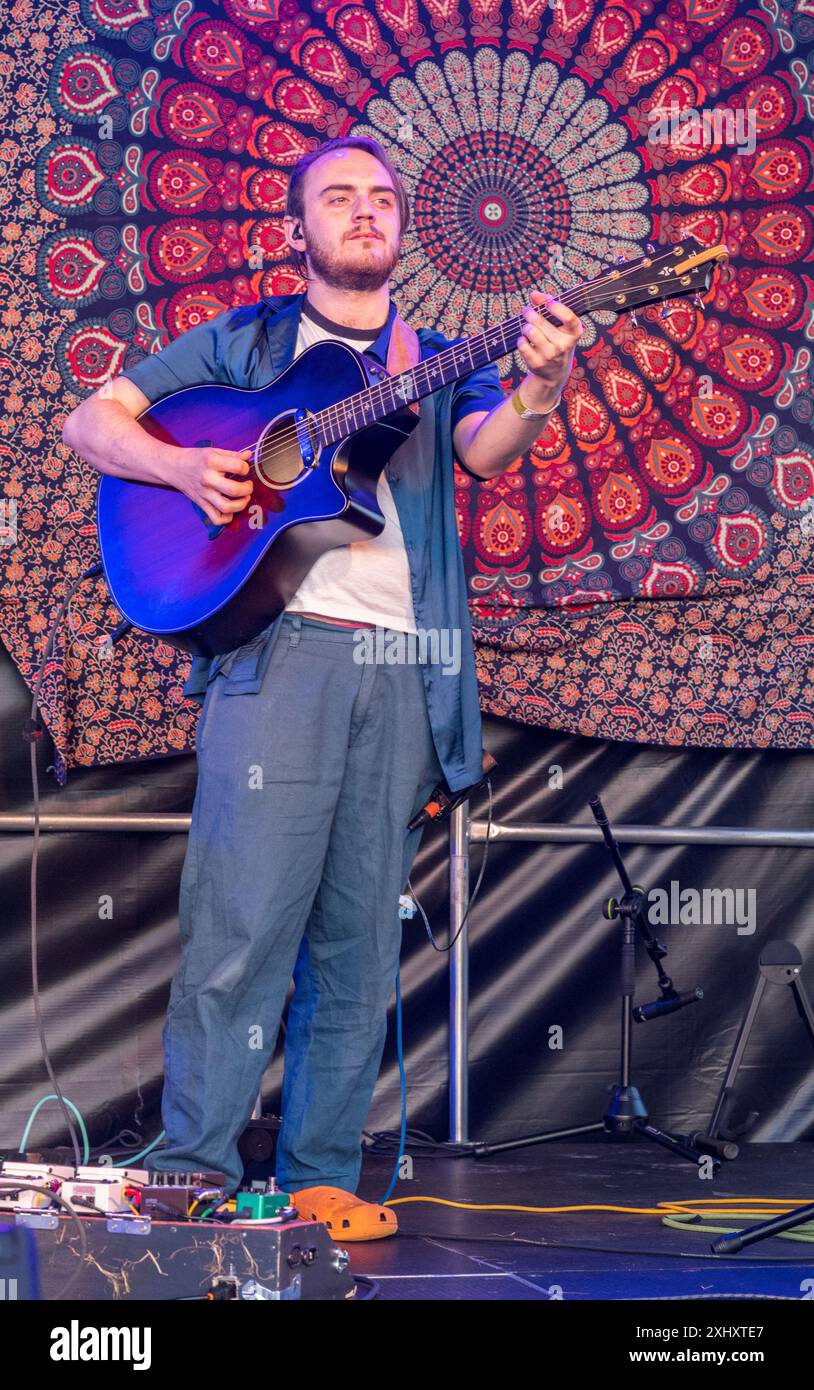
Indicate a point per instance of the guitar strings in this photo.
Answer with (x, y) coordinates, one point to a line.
(516, 322)
(441, 359)
(287, 437)
(290, 434)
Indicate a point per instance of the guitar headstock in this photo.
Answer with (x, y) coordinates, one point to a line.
(685, 268)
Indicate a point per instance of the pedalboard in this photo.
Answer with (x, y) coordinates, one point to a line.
(126, 1210)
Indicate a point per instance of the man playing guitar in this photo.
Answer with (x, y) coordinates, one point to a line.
(298, 849)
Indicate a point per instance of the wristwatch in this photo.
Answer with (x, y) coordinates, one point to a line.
(526, 414)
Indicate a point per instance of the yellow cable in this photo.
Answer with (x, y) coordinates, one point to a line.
(472, 1206)
(681, 1207)
(715, 1201)
(732, 1206)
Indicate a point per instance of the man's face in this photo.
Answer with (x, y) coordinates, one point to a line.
(352, 226)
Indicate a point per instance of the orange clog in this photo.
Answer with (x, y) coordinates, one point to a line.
(345, 1216)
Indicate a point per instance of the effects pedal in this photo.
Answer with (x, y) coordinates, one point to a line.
(176, 1196)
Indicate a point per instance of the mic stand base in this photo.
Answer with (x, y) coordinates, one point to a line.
(626, 1116)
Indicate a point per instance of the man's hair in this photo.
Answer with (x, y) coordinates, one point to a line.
(295, 195)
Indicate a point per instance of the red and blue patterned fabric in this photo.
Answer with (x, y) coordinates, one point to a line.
(644, 572)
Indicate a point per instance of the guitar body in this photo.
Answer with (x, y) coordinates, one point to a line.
(208, 589)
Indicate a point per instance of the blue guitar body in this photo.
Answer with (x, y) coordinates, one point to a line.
(208, 589)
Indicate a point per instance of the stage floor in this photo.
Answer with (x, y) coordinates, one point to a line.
(444, 1253)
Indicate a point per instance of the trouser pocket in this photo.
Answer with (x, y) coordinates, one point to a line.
(244, 669)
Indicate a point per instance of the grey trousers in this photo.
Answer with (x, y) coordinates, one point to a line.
(297, 854)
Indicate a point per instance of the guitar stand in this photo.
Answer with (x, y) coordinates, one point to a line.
(780, 964)
(626, 1114)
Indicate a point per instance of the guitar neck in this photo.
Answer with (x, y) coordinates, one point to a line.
(684, 268)
(375, 402)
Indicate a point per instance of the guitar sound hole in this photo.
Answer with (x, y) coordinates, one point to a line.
(279, 456)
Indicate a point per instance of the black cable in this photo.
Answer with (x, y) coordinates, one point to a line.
(32, 732)
(375, 1288)
(476, 890)
(111, 1146)
(607, 1249)
(388, 1142)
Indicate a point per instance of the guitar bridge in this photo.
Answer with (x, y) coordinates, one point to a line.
(307, 436)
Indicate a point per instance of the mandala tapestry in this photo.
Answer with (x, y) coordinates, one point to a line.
(644, 572)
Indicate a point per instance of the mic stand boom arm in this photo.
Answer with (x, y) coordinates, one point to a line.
(633, 904)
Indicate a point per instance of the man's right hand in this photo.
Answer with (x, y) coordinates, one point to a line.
(203, 475)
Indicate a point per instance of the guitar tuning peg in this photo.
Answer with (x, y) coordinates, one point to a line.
(698, 301)
(633, 318)
(620, 260)
(665, 312)
(650, 248)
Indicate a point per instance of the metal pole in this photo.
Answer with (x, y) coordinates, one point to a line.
(463, 830)
(459, 976)
(170, 822)
(644, 835)
(175, 822)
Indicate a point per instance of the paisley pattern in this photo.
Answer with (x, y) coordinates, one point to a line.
(146, 161)
(728, 670)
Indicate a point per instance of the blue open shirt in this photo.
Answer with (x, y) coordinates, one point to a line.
(251, 345)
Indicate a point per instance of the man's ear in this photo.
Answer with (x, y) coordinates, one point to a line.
(294, 227)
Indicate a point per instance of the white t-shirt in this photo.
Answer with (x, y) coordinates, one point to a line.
(367, 581)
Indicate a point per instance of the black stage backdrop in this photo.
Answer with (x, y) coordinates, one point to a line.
(542, 957)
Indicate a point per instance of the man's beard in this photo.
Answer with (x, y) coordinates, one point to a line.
(366, 275)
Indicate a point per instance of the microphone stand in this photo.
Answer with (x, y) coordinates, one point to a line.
(627, 1112)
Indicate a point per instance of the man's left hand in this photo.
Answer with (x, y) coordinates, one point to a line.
(548, 351)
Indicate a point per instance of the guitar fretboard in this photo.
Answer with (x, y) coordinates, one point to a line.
(680, 269)
(375, 402)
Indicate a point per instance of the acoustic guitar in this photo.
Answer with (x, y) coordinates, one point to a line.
(321, 434)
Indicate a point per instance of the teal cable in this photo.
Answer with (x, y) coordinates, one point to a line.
(128, 1162)
(32, 1117)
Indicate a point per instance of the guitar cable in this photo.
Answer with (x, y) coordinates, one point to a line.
(442, 949)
